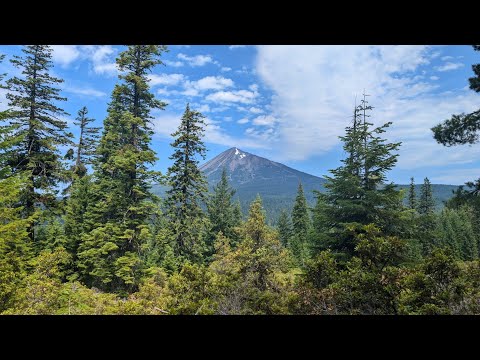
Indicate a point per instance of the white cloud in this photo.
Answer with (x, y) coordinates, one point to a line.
(204, 108)
(211, 83)
(197, 60)
(173, 63)
(102, 58)
(449, 66)
(190, 92)
(243, 70)
(233, 47)
(85, 91)
(255, 110)
(166, 79)
(166, 124)
(264, 120)
(445, 58)
(225, 69)
(243, 121)
(238, 96)
(265, 136)
(107, 69)
(65, 54)
(434, 78)
(314, 100)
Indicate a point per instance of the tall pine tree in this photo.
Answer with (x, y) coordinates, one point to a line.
(301, 225)
(108, 255)
(412, 197)
(427, 219)
(14, 246)
(87, 142)
(188, 188)
(36, 119)
(357, 193)
(426, 202)
(221, 211)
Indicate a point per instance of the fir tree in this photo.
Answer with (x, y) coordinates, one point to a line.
(108, 255)
(36, 118)
(301, 225)
(412, 197)
(79, 218)
(427, 219)
(357, 193)
(221, 211)
(300, 217)
(426, 202)
(14, 246)
(284, 227)
(87, 142)
(188, 188)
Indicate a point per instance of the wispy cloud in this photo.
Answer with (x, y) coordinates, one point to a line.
(449, 66)
(233, 47)
(237, 96)
(211, 83)
(255, 110)
(173, 63)
(264, 120)
(197, 60)
(166, 79)
(102, 58)
(64, 55)
(86, 91)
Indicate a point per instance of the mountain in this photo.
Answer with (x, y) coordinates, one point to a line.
(276, 183)
(250, 175)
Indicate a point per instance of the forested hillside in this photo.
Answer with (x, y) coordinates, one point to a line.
(82, 230)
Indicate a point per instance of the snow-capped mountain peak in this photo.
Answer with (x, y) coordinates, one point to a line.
(239, 153)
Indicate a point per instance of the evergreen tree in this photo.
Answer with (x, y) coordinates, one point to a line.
(108, 255)
(87, 142)
(426, 202)
(36, 120)
(300, 217)
(412, 197)
(427, 219)
(78, 218)
(318, 238)
(284, 227)
(221, 211)
(14, 247)
(357, 193)
(188, 188)
(301, 225)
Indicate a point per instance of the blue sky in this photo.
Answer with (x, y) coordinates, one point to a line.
(290, 103)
